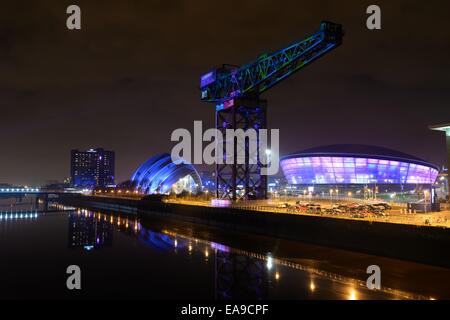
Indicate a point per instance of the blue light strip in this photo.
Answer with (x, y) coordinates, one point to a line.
(354, 170)
(17, 216)
(19, 190)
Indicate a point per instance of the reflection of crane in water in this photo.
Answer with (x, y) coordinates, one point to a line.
(235, 276)
(241, 274)
(237, 273)
(161, 241)
(240, 277)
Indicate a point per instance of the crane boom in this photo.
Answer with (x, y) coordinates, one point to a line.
(268, 70)
(236, 92)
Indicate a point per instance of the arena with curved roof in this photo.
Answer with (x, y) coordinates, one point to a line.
(160, 174)
(356, 164)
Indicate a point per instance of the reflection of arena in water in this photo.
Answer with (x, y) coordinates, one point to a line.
(235, 275)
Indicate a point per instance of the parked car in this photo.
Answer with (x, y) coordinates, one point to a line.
(317, 209)
(384, 205)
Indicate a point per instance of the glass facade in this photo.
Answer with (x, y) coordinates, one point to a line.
(159, 174)
(355, 170)
(92, 168)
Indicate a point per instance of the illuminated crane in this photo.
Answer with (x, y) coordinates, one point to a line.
(236, 91)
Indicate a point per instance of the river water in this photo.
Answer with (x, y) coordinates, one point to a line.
(129, 257)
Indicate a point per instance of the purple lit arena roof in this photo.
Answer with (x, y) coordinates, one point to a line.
(356, 164)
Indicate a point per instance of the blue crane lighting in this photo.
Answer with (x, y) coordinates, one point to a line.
(236, 93)
(269, 69)
(322, 167)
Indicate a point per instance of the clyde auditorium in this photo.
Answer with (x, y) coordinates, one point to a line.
(357, 165)
(160, 175)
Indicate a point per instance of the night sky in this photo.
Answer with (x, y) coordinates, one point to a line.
(131, 76)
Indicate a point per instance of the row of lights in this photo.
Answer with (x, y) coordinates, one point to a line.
(19, 190)
(16, 216)
(352, 295)
(135, 225)
(118, 191)
(270, 263)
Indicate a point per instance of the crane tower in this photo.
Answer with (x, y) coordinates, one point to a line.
(236, 93)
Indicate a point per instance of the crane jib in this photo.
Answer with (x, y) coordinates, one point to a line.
(267, 70)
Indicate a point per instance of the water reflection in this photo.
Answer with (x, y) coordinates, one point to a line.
(353, 295)
(87, 230)
(240, 277)
(29, 203)
(237, 273)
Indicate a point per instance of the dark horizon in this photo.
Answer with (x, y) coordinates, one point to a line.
(131, 76)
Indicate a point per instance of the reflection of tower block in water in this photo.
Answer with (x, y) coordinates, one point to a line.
(236, 90)
(239, 277)
(86, 231)
(241, 177)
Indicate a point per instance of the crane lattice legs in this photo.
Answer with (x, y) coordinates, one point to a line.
(236, 90)
(242, 180)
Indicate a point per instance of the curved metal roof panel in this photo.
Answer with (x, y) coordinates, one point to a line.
(159, 173)
(356, 164)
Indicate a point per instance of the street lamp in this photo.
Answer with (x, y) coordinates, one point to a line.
(331, 196)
